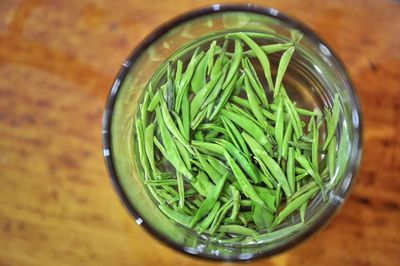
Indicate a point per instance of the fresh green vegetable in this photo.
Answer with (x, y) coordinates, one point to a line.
(225, 151)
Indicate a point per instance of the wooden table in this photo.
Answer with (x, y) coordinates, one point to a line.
(57, 63)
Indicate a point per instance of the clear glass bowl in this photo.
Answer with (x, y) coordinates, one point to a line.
(317, 62)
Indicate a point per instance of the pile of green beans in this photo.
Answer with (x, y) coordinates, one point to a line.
(224, 155)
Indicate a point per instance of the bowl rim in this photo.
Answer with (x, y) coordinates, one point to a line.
(154, 36)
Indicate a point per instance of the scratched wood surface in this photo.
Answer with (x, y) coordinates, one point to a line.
(57, 62)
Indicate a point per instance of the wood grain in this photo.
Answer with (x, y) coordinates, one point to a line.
(57, 62)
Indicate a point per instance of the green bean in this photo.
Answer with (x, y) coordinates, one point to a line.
(229, 220)
(214, 131)
(332, 124)
(252, 76)
(187, 194)
(294, 205)
(198, 119)
(314, 146)
(237, 229)
(294, 118)
(184, 154)
(211, 172)
(186, 77)
(301, 176)
(173, 153)
(278, 195)
(264, 175)
(262, 218)
(246, 203)
(268, 115)
(283, 64)
(236, 202)
(178, 74)
(181, 189)
(211, 50)
(212, 96)
(296, 36)
(273, 236)
(224, 97)
(237, 57)
(143, 109)
(306, 165)
(166, 182)
(254, 106)
(259, 53)
(163, 175)
(245, 185)
(342, 156)
(285, 142)
(163, 194)
(238, 136)
(311, 127)
(220, 216)
(212, 126)
(307, 139)
(202, 184)
(209, 109)
(299, 170)
(185, 210)
(186, 121)
(155, 195)
(270, 163)
(242, 102)
(200, 97)
(209, 146)
(210, 201)
(218, 66)
(180, 125)
(267, 128)
(199, 76)
(203, 226)
(331, 157)
(234, 108)
(290, 169)
(270, 49)
(229, 132)
(303, 189)
(262, 35)
(176, 216)
(160, 147)
(301, 145)
(170, 88)
(149, 146)
(141, 148)
(154, 101)
(169, 122)
(279, 124)
(267, 195)
(241, 158)
(238, 86)
(243, 220)
(248, 126)
(217, 164)
(171, 190)
(299, 110)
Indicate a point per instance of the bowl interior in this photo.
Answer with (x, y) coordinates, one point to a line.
(126, 95)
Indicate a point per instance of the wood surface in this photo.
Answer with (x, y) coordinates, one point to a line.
(58, 60)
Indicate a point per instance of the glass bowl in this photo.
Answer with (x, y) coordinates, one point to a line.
(318, 61)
